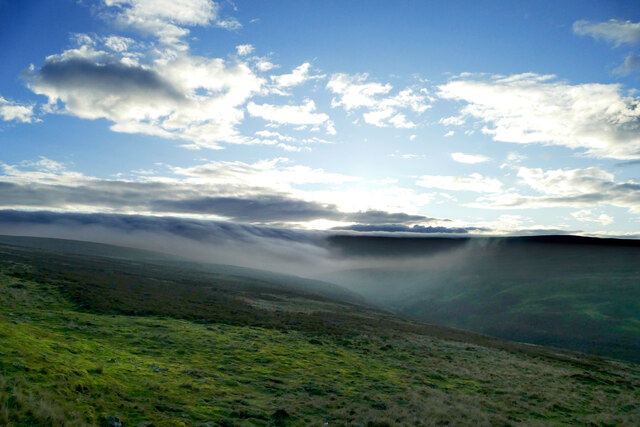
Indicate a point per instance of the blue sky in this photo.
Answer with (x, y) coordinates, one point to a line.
(469, 117)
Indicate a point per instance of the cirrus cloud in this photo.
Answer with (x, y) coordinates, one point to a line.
(615, 31)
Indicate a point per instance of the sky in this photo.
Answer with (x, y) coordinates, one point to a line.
(414, 117)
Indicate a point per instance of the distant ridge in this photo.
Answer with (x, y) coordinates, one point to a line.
(409, 245)
(83, 247)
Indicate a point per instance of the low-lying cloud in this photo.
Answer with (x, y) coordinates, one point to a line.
(250, 193)
(568, 187)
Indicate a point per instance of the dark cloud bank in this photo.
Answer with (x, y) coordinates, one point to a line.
(164, 198)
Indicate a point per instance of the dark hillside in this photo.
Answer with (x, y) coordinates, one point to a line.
(564, 291)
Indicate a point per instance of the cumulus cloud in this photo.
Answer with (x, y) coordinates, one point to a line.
(115, 43)
(244, 49)
(474, 182)
(565, 182)
(10, 111)
(298, 76)
(180, 97)
(156, 86)
(568, 187)
(470, 159)
(292, 114)
(531, 108)
(614, 31)
(276, 135)
(167, 19)
(382, 109)
(264, 64)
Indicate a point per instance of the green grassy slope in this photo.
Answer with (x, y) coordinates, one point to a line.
(72, 352)
(580, 296)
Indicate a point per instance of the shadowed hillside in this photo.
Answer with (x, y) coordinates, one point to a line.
(565, 291)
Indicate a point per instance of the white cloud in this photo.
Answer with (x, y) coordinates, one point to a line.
(279, 175)
(115, 43)
(276, 135)
(355, 92)
(573, 187)
(615, 31)
(532, 108)
(291, 114)
(229, 24)
(469, 158)
(453, 121)
(260, 192)
(164, 19)
(399, 121)
(474, 182)
(298, 76)
(268, 191)
(265, 65)
(586, 215)
(274, 174)
(180, 96)
(448, 134)
(562, 182)
(244, 49)
(13, 111)
(292, 148)
(287, 142)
